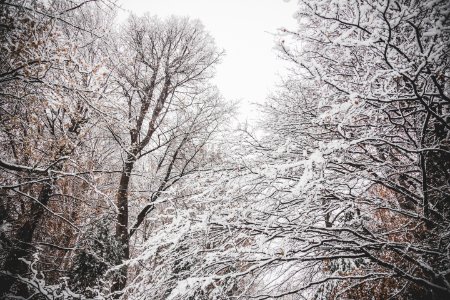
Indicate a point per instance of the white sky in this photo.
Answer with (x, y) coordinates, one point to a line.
(244, 29)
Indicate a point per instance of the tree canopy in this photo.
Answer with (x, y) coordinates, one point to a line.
(123, 175)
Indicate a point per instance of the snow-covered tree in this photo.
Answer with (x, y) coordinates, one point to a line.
(121, 179)
(48, 80)
(353, 193)
(162, 111)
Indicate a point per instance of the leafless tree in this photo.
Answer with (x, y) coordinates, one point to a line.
(160, 69)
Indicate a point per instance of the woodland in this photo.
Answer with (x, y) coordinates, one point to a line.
(124, 176)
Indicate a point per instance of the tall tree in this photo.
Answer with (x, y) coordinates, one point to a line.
(161, 65)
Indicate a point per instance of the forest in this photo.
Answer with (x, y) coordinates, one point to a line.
(124, 176)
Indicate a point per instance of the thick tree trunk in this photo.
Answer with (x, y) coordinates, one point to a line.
(122, 234)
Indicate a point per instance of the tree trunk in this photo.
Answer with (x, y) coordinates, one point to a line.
(122, 234)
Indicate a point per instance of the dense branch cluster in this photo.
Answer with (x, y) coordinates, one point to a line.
(120, 177)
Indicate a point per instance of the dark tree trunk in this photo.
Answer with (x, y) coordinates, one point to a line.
(122, 234)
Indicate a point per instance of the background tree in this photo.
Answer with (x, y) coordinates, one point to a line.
(46, 82)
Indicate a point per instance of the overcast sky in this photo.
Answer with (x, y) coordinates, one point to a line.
(244, 29)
